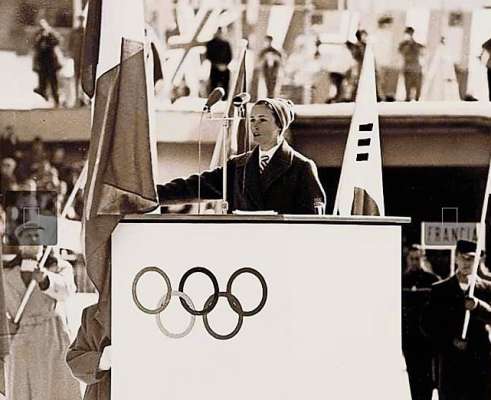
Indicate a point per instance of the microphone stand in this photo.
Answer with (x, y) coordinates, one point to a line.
(225, 134)
(225, 131)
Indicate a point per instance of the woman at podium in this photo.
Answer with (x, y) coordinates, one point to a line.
(272, 176)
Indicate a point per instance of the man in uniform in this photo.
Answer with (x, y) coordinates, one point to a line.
(411, 52)
(464, 365)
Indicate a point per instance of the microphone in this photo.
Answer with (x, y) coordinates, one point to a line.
(241, 99)
(215, 96)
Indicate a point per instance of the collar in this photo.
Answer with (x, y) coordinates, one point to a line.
(270, 153)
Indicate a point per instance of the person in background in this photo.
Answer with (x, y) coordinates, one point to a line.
(219, 52)
(36, 368)
(486, 48)
(47, 61)
(382, 50)
(357, 50)
(272, 176)
(416, 283)
(411, 52)
(270, 64)
(464, 366)
(8, 181)
(9, 144)
(75, 46)
(89, 356)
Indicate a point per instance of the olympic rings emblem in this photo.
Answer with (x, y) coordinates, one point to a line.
(209, 305)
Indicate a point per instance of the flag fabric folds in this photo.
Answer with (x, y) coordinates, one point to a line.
(360, 189)
(238, 141)
(120, 176)
(4, 329)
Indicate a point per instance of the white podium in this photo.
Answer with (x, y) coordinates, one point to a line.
(260, 308)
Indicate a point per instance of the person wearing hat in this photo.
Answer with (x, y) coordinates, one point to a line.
(36, 367)
(272, 176)
(29, 234)
(464, 366)
(411, 52)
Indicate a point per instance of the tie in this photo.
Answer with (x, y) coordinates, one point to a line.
(264, 162)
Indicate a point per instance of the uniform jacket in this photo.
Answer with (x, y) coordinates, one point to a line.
(84, 354)
(483, 311)
(444, 317)
(288, 185)
(416, 286)
(36, 367)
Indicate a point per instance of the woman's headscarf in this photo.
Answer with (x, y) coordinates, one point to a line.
(282, 110)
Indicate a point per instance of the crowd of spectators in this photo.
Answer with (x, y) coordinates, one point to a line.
(36, 167)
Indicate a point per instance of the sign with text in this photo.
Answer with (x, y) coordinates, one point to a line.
(447, 233)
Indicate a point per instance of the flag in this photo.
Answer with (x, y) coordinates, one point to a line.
(69, 234)
(487, 213)
(4, 327)
(360, 189)
(238, 141)
(483, 224)
(121, 170)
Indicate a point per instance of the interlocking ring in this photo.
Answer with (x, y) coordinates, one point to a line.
(166, 299)
(209, 305)
(232, 300)
(263, 285)
(214, 297)
(186, 331)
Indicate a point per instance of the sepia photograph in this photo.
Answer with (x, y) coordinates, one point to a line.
(248, 199)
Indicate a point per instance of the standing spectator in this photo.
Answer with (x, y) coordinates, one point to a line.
(219, 52)
(465, 366)
(8, 143)
(8, 180)
(411, 52)
(38, 153)
(36, 367)
(47, 60)
(357, 51)
(75, 46)
(382, 51)
(417, 350)
(270, 64)
(486, 47)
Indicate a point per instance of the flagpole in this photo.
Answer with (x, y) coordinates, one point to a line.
(480, 245)
(32, 283)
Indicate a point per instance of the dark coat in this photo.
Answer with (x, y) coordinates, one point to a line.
(416, 286)
(483, 311)
(218, 51)
(288, 185)
(465, 372)
(84, 354)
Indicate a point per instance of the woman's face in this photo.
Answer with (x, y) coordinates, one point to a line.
(263, 127)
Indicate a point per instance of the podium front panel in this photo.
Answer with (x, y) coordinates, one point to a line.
(291, 311)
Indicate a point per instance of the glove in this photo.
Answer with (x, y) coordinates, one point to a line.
(105, 360)
(470, 303)
(460, 344)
